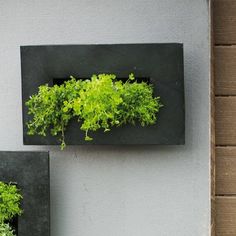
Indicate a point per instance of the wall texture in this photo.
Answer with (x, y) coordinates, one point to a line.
(118, 191)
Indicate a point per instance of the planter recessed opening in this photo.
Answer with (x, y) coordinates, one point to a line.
(60, 81)
(14, 224)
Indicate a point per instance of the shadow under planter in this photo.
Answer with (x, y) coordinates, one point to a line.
(159, 64)
(30, 171)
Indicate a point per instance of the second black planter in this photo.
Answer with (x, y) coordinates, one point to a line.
(30, 170)
(160, 64)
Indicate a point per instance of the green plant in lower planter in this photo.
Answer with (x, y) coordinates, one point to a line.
(100, 103)
(6, 230)
(10, 198)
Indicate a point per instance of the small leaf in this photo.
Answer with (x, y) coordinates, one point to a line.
(87, 138)
(131, 76)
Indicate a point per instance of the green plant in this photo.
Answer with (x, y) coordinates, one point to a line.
(6, 230)
(10, 198)
(102, 102)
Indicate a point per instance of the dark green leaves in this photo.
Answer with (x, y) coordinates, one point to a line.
(100, 103)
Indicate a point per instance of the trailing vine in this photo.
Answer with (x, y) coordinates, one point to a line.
(102, 102)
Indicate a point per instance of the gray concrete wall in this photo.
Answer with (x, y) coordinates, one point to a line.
(117, 191)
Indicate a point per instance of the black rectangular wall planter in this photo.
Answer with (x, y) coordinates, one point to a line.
(161, 64)
(30, 171)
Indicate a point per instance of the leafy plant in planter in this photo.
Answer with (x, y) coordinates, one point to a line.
(10, 198)
(6, 230)
(102, 102)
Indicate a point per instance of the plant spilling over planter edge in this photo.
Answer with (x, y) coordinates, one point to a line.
(101, 102)
(10, 198)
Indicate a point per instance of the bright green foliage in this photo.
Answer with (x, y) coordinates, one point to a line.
(138, 104)
(51, 110)
(6, 230)
(102, 102)
(10, 198)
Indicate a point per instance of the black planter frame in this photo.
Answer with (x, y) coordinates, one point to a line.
(30, 171)
(162, 64)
